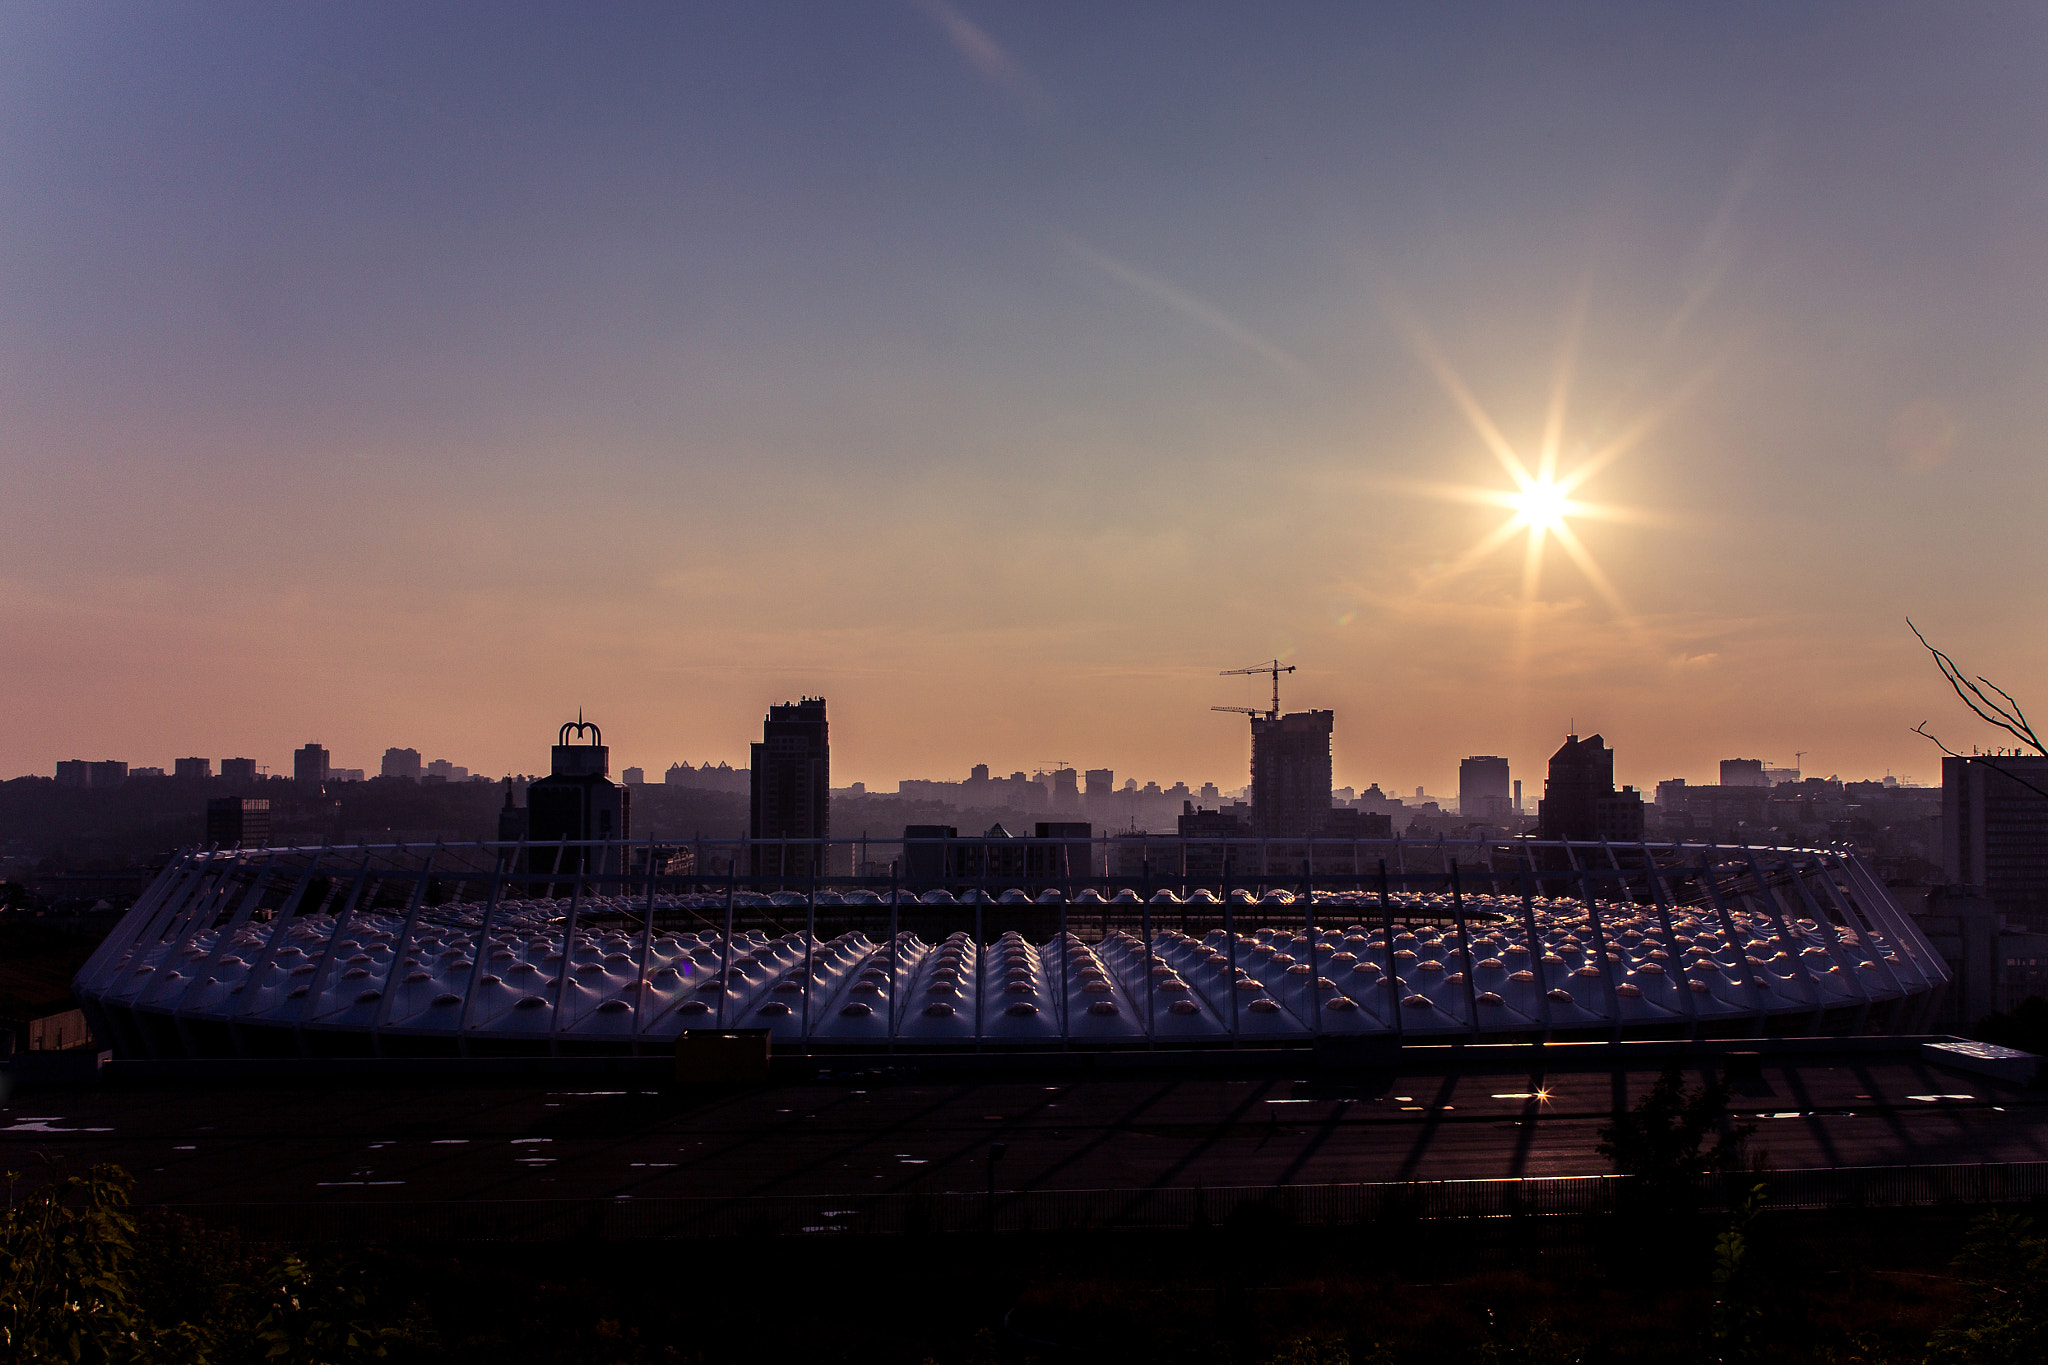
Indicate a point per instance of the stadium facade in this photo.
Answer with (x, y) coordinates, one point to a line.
(484, 949)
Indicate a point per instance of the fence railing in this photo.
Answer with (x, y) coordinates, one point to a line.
(1023, 1211)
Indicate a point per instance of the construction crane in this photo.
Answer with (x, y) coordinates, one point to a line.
(1273, 666)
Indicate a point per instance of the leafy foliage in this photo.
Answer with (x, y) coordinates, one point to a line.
(2005, 1266)
(1738, 1303)
(67, 1255)
(84, 1282)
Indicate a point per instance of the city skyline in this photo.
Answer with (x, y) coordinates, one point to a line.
(1124, 783)
(1005, 373)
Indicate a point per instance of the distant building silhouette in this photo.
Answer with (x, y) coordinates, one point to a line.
(1743, 772)
(200, 768)
(512, 826)
(1291, 773)
(1101, 784)
(1073, 858)
(722, 778)
(577, 800)
(791, 789)
(237, 821)
(1579, 799)
(1349, 822)
(240, 771)
(1484, 788)
(634, 777)
(309, 765)
(403, 763)
(79, 772)
(1066, 789)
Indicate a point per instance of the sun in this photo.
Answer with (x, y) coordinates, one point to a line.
(1541, 500)
(1542, 504)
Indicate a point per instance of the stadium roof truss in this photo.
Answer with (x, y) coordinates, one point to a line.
(478, 949)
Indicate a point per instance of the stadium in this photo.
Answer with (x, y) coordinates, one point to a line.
(483, 950)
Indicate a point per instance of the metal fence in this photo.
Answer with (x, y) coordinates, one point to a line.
(1027, 1211)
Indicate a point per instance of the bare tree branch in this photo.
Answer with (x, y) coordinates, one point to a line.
(1987, 760)
(2013, 722)
(1921, 730)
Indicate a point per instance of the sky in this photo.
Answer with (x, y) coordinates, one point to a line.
(417, 375)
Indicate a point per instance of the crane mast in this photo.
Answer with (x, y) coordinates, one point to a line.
(1272, 666)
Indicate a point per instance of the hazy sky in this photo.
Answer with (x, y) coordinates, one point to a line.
(415, 375)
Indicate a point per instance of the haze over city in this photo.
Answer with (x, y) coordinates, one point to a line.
(415, 376)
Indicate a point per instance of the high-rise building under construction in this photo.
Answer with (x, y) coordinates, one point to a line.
(1291, 773)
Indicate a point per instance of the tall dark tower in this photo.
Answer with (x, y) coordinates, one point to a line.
(791, 790)
(1291, 774)
(1483, 788)
(310, 766)
(577, 800)
(1579, 799)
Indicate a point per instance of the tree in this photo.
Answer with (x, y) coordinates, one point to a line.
(67, 1277)
(2005, 1266)
(1663, 1141)
(1975, 693)
(83, 1281)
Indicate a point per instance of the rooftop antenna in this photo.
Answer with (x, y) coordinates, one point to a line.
(1273, 666)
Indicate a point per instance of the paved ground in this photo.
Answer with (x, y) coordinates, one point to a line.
(881, 1133)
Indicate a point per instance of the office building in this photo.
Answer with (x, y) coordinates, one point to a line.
(79, 772)
(309, 765)
(1743, 772)
(1485, 791)
(577, 800)
(237, 821)
(1350, 822)
(634, 777)
(791, 790)
(1291, 773)
(1065, 849)
(1101, 784)
(403, 763)
(1994, 833)
(240, 771)
(1066, 789)
(1579, 799)
(196, 768)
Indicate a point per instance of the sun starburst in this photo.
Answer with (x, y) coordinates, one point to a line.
(1541, 502)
